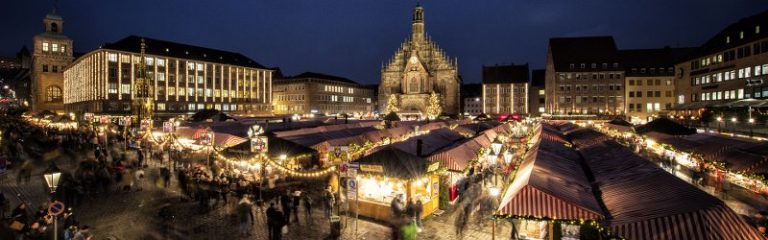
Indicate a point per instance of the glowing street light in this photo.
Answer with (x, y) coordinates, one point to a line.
(733, 119)
(494, 191)
(52, 176)
(496, 146)
(507, 157)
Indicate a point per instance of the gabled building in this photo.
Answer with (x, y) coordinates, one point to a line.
(51, 54)
(583, 76)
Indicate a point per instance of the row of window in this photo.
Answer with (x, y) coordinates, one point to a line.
(53, 68)
(649, 107)
(595, 99)
(639, 94)
(172, 91)
(746, 72)
(291, 97)
(721, 95)
(649, 82)
(595, 87)
(338, 89)
(741, 34)
(189, 107)
(730, 55)
(586, 76)
(592, 66)
(54, 47)
(653, 70)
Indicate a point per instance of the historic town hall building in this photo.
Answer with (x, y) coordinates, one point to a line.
(418, 68)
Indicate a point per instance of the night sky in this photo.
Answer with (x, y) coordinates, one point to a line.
(352, 38)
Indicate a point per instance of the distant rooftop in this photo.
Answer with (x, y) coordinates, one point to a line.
(505, 74)
(321, 76)
(183, 51)
(583, 50)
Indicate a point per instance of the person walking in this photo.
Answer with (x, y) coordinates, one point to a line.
(328, 202)
(286, 202)
(418, 208)
(277, 222)
(139, 179)
(245, 216)
(308, 208)
(271, 213)
(295, 208)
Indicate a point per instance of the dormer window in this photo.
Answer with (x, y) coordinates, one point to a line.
(727, 39)
(741, 35)
(594, 65)
(605, 65)
(757, 29)
(572, 66)
(54, 27)
(583, 66)
(615, 65)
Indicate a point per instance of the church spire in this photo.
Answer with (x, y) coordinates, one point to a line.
(417, 24)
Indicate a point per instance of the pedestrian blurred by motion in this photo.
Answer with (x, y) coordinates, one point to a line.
(308, 208)
(245, 215)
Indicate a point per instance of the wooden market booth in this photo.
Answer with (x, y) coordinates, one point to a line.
(389, 173)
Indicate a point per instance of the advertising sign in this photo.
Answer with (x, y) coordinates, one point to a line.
(259, 144)
(340, 153)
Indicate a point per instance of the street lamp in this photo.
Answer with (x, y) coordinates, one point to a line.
(491, 157)
(751, 125)
(52, 176)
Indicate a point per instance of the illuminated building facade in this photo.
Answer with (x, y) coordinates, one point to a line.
(649, 81)
(320, 93)
(731, 65)
(418, 68)
(583, 76)
(183, 79)
(505, 89)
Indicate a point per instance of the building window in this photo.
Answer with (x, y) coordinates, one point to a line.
(583, 66)
(191, 66)
(53, 94)
(55, 68)
(54, 47)
(125, 88)
(112, 88)
(45, 47)
(171, 91)
(208, 93)
(741, 35)
(191, 107)
(181, 91)
(63, 48)
(571, 66)
(45, 68)
(161, 107)
(594, 65)
(112, 57)
(160, 62)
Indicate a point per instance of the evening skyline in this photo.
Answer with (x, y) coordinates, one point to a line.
(353, 38)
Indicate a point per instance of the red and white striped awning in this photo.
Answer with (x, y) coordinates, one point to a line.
(533, 202)
(224, 140)
(716, 222)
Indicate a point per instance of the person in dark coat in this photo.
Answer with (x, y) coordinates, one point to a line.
(418, 208)
(286, 202)
(276, 221)
(295, 208)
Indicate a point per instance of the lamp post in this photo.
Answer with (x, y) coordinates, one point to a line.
(751, 125)
(719, 120)
(52, 176)
(496, 146)
(733, 120)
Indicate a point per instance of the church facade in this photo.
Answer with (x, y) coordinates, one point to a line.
(419, 68)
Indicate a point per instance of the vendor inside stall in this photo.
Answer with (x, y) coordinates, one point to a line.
(391, 178)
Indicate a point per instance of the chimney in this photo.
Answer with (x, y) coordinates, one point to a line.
(419, 144)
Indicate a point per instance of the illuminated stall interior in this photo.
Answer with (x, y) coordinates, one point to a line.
(389, 173)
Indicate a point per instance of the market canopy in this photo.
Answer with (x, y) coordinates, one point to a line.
(549, 185)
(646, 202)
(431, 142)
(392, 162)
(666, 126)
(751, 102)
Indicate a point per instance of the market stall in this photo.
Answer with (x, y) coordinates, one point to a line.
(392, 173)
(550, 192)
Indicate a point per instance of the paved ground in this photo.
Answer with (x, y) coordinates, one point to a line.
(133, 215)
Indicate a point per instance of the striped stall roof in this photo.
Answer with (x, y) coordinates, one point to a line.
(646, 202)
